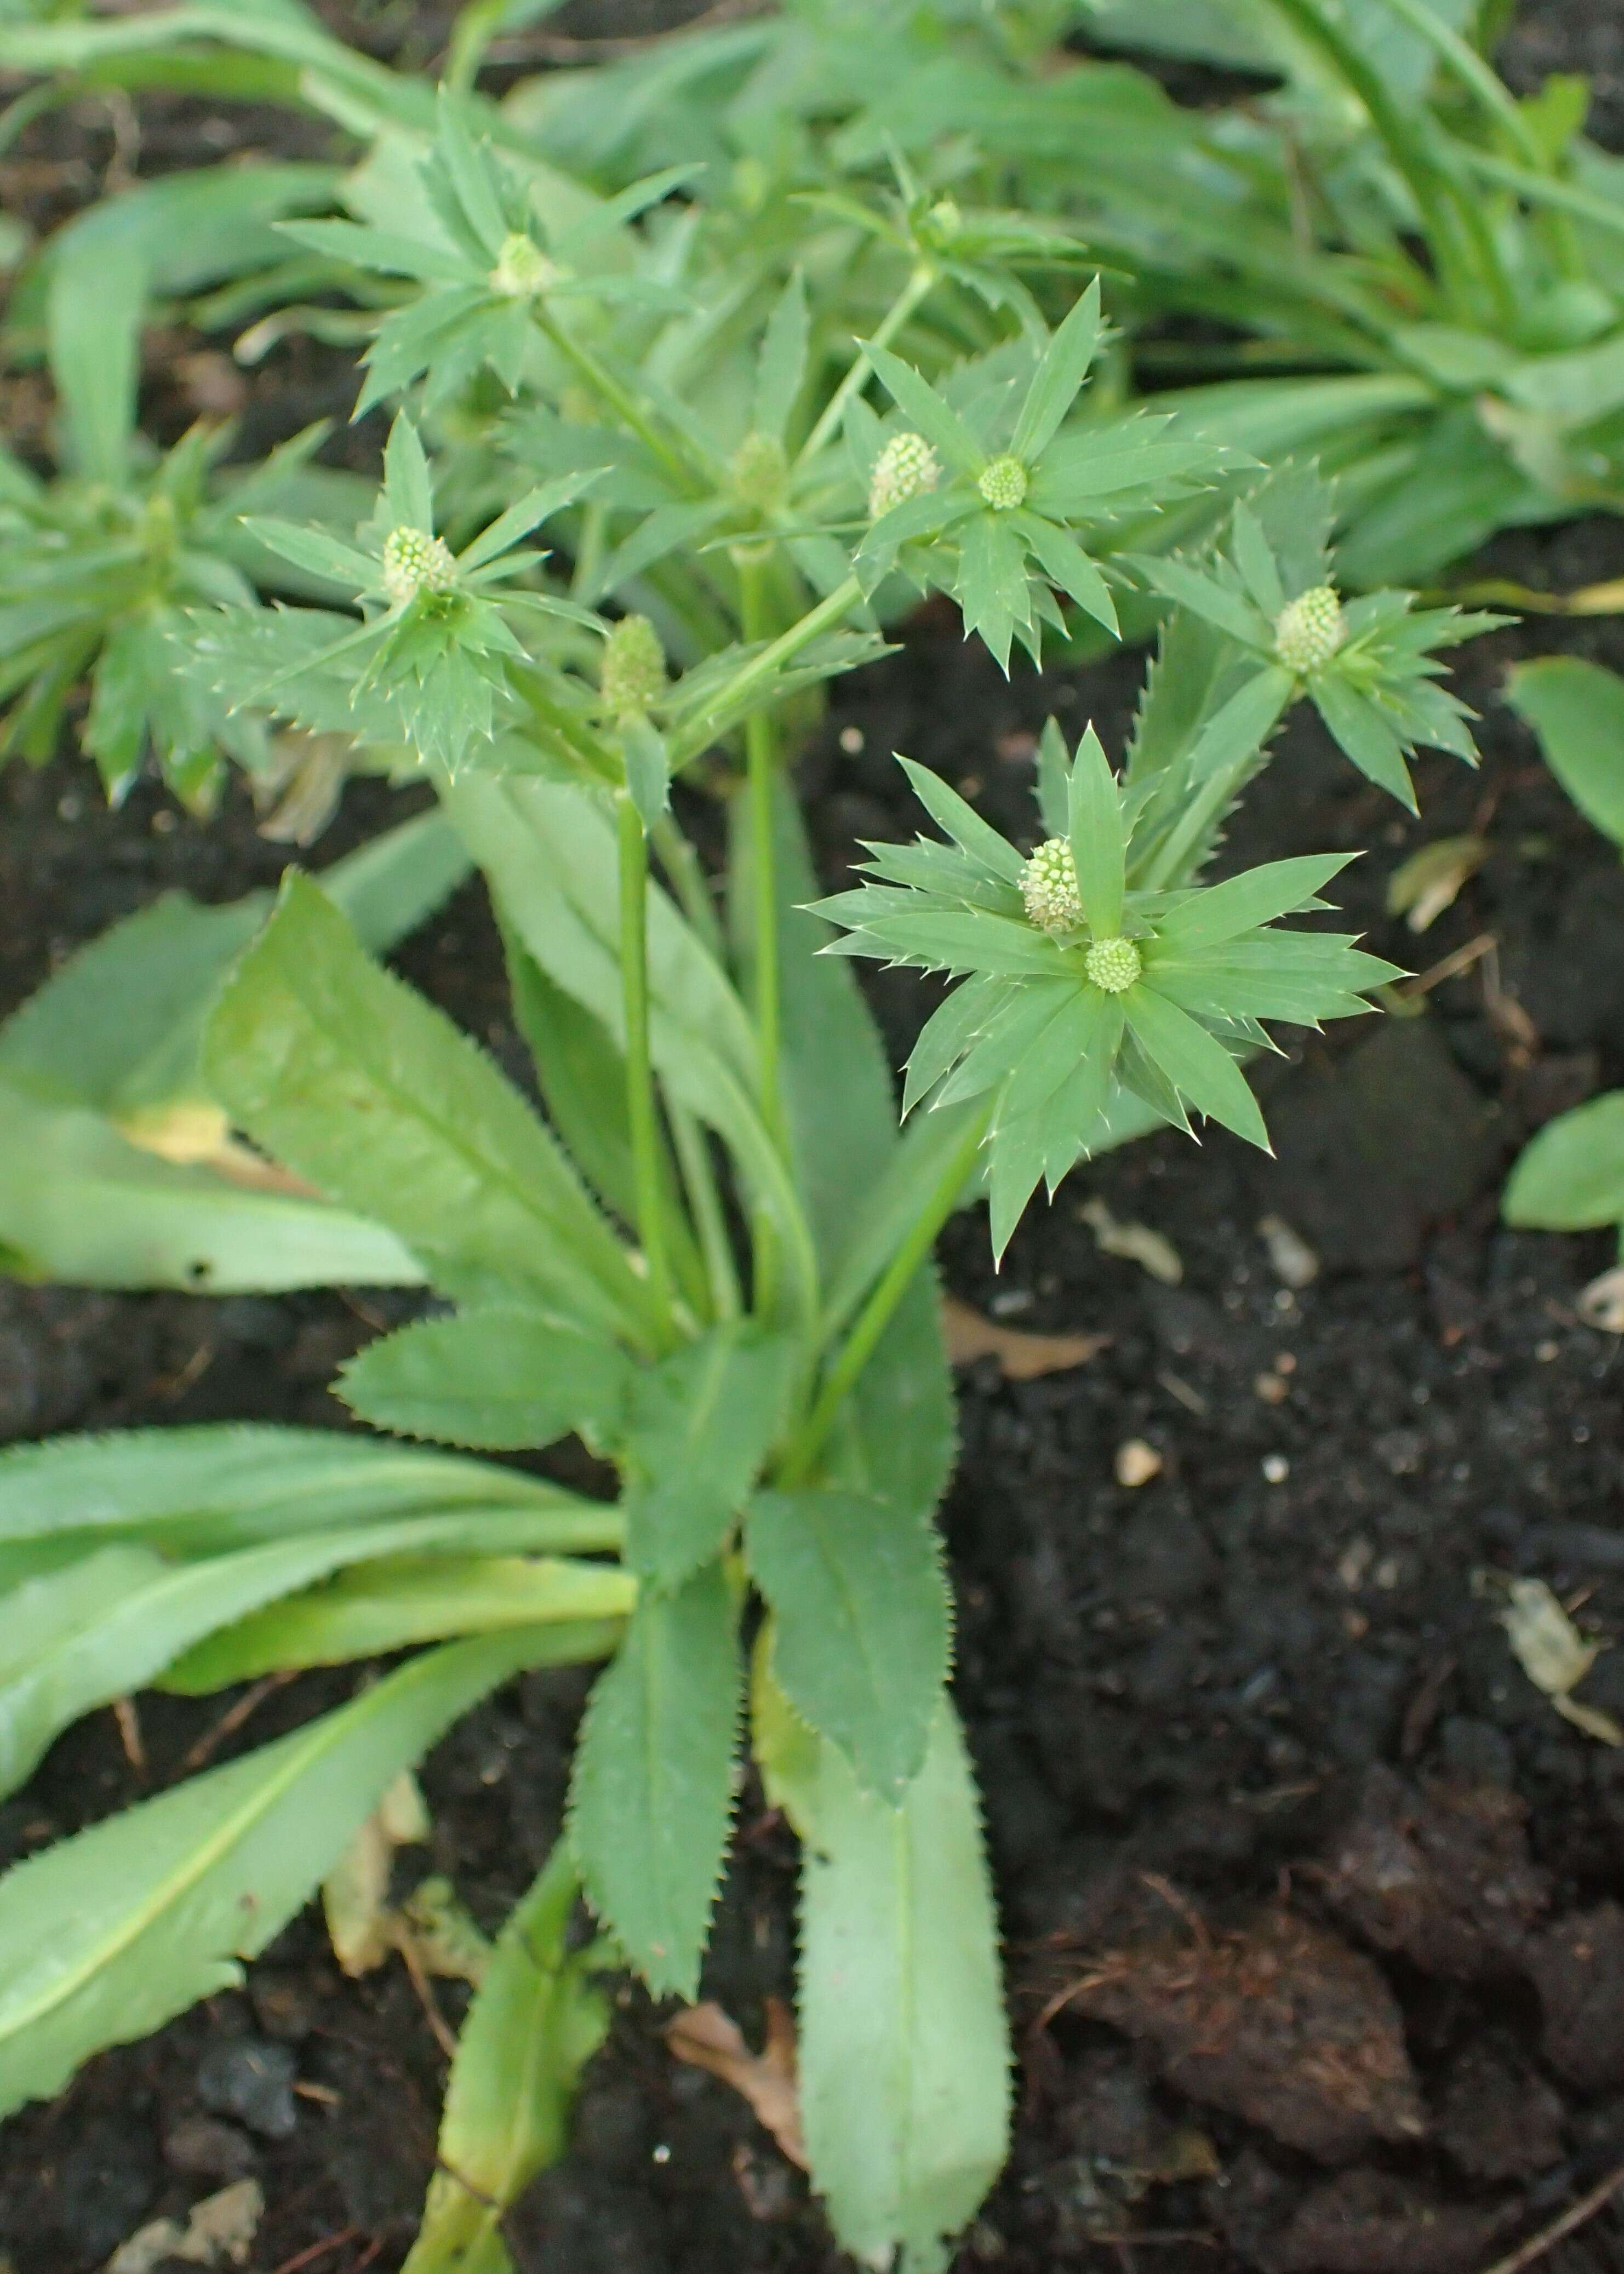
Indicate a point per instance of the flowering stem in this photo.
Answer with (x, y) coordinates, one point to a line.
(902, 307)
(704, 1202)
(621, 399)
(642, 1112)
(876, 1313)
(761, 768)
(734, 698)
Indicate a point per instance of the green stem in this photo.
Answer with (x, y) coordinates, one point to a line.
(704, 1200)
(624, 403)
(876, 1313)
(642, 1112)
(761, 768)
(734, 697)
(686, 878)
(902, 307)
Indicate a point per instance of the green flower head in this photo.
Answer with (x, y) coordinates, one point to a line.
(1085, 996)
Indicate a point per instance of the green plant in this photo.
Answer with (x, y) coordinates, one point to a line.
(1570, 1176)
(98, 563)
(668, 1262)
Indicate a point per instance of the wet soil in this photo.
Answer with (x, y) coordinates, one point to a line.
(1312, 1900)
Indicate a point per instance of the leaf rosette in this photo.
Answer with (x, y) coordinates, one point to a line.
(1081, 990)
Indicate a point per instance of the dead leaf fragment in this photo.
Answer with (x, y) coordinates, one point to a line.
(1601, 1304)
(1291, 1259)
(1021, 1357)
(1555, 1656)
(221, 2231)
(1430, 881)
(355, 1895)
(707, 2037)
(1135, 1243)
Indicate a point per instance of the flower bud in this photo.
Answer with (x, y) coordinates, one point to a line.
(1003, 484)
(905, 468)
(1113, 965)
(1048, 887)
(414, 562)
(760, 470)
(633, 673)
(522, 270)
(1310, 629)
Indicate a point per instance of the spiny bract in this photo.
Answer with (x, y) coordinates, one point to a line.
(1310, 629)
(414, 562)
(905, 468)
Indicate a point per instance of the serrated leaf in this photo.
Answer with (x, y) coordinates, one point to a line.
(1257, 896)
(1061, 372)
(536, 2021)
(651, 1791)
(408, 486)
(574, 1609)
(905, 2057)
(698, 1428)
(976, 839)
(364, 1088)
(923, 408)
(501, 1380)
(1198, 1067)
(81, 1205)
(1098, 842)
(861, 1624)
(112, 1622)
(109, 1933)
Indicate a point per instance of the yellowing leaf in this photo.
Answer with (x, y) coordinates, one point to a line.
(1555, 1656)
(1421, 888)
(1021, 1357)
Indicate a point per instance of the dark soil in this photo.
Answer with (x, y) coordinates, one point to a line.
(1312, 1900)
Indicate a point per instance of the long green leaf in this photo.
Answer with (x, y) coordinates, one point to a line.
(903, 2055)
(80, 1204)
(652, 1789)
(861, 1623)
(109, 1933)
(1098, 842)
(363, 1087)
(1571, 1176)
(536, 2021)
(96, 1629)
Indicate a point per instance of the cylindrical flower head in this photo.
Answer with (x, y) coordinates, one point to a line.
(522, 270)
(905, 468)
(633, 673)
(1048, 887)
(414, 562)
(1003, 484)
(1113, 965)
(1310, 629)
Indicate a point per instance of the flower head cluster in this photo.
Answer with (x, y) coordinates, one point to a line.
(415, 562)
(1368, 665)
(1008, 485)
(1311, 629)
(632, 674)
(1085, 996)
(906, 467)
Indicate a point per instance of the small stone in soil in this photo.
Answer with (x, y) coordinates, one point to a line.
(253, 2080)
(1369, 2222)
(204, 2148)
